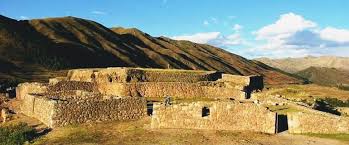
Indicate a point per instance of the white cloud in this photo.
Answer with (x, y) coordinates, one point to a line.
(237, 27)
(286, 25)
(199, 37)
(291, 35)
(227, 41)
(98, 12)
(294, 36)
(23, 17)
(213, 38)
(334, 34)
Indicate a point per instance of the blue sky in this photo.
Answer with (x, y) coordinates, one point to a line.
(252, 28)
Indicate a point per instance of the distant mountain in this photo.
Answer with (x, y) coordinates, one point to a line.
(293, 65)
(326, 76)
(28, 48)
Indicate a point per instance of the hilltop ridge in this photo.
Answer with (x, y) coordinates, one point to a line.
(43, 45)
(293, 65)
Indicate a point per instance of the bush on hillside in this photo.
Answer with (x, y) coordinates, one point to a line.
(336, 102)
(328, 105)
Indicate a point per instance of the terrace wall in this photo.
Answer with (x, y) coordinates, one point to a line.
(300, 122)
(221, 116)
(84, 75)
(253, 82)
(154, 75)
(173, 89)
(56, 113)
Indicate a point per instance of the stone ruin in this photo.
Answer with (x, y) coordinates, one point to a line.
(209, 100)
(91, 95)
(215, 115)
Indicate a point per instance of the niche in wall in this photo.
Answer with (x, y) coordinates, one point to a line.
(205, 112)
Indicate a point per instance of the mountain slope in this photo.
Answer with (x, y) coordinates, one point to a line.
(293, 65)
(325, 76)
(43, 45)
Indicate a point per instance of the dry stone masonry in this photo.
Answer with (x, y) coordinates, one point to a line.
(92, 95)
(323, 123)
(216, 115)
(95, 95)
(63, 111)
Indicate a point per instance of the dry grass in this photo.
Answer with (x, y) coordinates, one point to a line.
(138, 132)
(283, 109)
(342, 137)
(308, 92)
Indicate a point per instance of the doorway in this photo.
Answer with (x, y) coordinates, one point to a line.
(281, 123)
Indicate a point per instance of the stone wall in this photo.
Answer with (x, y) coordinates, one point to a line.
(92, 110)
(55, 112)
(53, 81)
(325, 123)
(245, 80)
(122, 74)
(72, 85)
(140, 82)
(38, 107)
(154, 75)
(215, 115)
(173, 89)
(84, 75)
(254, 82)
(29, 88)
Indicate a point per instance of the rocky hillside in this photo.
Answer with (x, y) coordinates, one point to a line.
(293, 65)
(28, 48)
(326, 76)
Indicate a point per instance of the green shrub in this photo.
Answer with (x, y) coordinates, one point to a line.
(15, 134)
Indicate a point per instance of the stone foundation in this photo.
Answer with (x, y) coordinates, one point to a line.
(215, 115)
(54, 112)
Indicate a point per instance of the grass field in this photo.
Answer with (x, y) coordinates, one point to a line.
(139, 132)
(307, 92)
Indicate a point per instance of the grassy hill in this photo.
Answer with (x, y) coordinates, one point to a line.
(326, 76)
(36, 49)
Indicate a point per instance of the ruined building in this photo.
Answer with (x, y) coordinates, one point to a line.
(86, 95)
(201, 100)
